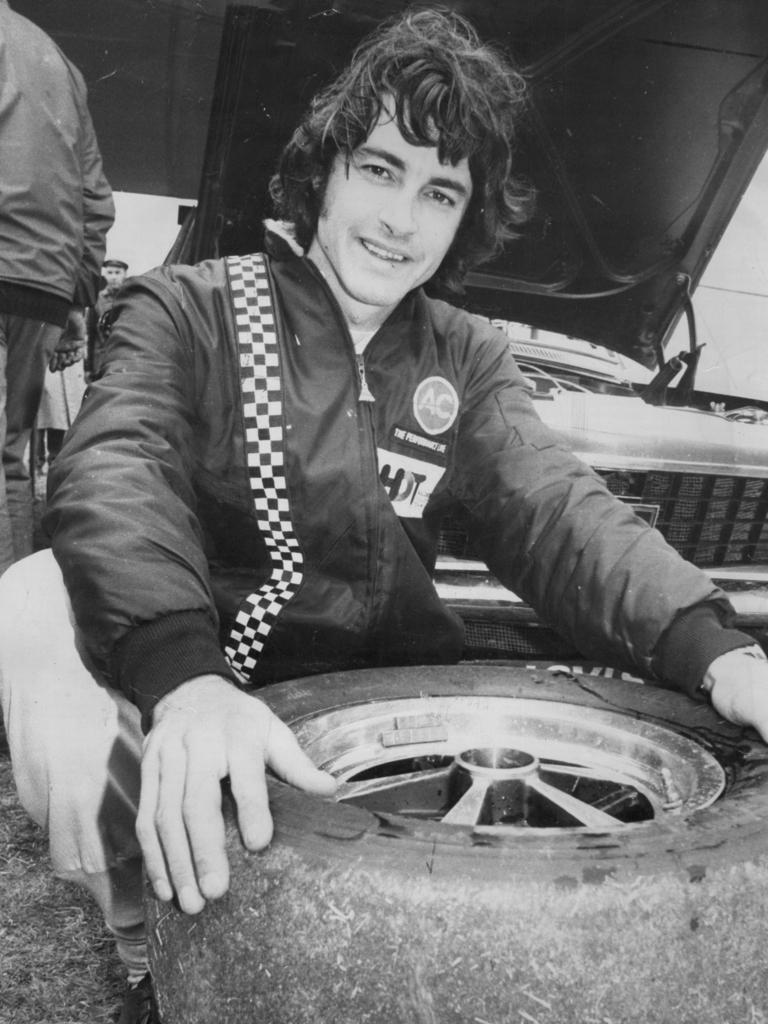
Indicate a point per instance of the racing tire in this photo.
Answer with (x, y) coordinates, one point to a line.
(355, 915)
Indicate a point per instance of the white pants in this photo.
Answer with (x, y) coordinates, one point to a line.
(75, 743)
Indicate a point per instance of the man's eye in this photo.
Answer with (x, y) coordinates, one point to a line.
(442, 198)
(376, 171)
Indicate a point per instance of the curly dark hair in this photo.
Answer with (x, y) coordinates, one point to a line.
(446, 84)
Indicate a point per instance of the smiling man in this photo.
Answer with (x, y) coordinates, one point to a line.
(390, 213)
(253, 491)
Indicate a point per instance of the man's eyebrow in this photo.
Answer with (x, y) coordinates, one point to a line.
(394, 161)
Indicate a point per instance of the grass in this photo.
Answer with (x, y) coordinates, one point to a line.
(57, 961)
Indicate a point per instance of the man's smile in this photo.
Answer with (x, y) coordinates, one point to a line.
(382, 253)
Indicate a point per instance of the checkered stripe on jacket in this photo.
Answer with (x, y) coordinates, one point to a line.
(265, 449)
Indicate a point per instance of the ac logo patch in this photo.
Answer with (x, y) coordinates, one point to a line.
(408, 482)
(435, 405)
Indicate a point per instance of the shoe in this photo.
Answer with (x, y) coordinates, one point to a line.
(139, 1006)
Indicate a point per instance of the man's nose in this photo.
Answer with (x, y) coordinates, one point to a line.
(398, 214)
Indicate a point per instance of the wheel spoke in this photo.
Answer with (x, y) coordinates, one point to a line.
(580, 771)
(469, 807)
(590, 816)
(391, 784)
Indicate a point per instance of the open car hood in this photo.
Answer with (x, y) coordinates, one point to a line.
(647, 120)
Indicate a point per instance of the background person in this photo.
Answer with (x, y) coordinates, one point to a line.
(231, 506)
(62, 397)
(55, 210)
(113, 271)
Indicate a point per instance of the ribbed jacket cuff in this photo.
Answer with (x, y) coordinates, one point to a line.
(691, 644)
(156, 657)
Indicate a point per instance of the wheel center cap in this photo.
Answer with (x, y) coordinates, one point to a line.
(488, 785)
(497, 763)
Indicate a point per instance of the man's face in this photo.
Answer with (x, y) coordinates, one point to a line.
(387, 221)
(114, 276)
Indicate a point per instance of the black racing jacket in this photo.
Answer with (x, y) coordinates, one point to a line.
(260, 502)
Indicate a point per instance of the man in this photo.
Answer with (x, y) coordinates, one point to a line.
(261, 468)
(55, 210)
(113, 271)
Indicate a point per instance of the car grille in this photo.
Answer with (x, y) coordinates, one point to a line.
(710, 520)
(490, 640)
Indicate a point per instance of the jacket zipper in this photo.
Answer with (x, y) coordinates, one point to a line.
(365, 392)
(365, 400)
(366, 427)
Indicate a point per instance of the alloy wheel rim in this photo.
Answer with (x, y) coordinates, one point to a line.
(502, 764)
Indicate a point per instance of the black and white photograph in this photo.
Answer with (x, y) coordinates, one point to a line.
(384, 512)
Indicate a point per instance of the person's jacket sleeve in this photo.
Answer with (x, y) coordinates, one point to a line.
(550, 530)
(98, 204)
(121, 507)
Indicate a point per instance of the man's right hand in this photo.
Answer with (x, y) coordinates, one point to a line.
(70, 348)
(205, 730)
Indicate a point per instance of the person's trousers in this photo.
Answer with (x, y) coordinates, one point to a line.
(75, 747)
(25, 348)
(49, 442)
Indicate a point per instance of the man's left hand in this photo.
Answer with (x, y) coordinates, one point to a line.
(738, 687)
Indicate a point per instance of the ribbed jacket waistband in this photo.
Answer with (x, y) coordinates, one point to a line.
(34, 304)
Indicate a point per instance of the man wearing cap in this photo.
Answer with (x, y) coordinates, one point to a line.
(113, 271)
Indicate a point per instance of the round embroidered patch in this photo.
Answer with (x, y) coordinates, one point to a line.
(435, 405)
